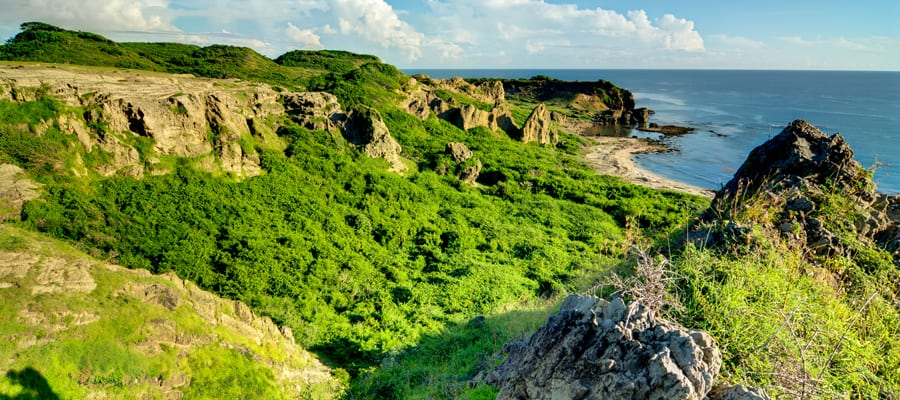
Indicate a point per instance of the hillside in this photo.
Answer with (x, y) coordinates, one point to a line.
(81, 328)
(404, 229)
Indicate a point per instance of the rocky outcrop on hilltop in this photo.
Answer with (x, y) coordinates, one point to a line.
(209, 121)
(423, 100)
(598, 349)
(793, 174)
(603, 101)
(537, 127)
(57, 297)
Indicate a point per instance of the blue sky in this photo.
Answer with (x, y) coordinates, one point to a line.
(762, 34)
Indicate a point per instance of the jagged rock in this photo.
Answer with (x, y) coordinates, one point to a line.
(365, 127)
(459, 151)
(738, 392)
(800, 151)
(641, 116)
(537, 127)
(15, 190)
(796, 170)
(470, 173)
(558, 117)
(598, 349)
(177, 113)
(313, 110)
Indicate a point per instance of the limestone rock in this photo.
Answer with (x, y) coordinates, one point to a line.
(313, 110)
(537, 127)
(470, 173)
(15, 190)
(459, 151)
(595, 349)
(726, 392)
(365, 127)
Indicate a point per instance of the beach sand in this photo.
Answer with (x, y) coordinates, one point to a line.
(614, 156)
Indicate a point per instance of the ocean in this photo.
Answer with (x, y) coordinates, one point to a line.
(734, 111)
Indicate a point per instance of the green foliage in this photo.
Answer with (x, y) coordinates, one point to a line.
(336, 61)
(46, 43)
(372, 84)
(228, 374)
(781, 325)
(29, 139)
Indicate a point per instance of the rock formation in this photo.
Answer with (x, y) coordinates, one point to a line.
(15, 190)
(365, 127)
(459, 151)
(598, 349)
(205, 120)
(318, 111)
(538, 128)
(422, 101)
(469, 167)
(795, 171)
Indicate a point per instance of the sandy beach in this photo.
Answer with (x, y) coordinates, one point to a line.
(614, 156)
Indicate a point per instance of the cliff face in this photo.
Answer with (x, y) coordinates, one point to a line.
(214, 123)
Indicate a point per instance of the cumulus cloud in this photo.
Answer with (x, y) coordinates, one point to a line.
(92, 15)
(537, 30)
(307, 38)
(376, 20)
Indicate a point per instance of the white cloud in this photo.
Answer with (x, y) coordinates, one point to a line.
(737, 41)
(376, 21)
(305, 37)
(92, 15)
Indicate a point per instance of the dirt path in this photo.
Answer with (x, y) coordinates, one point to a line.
(614, 156)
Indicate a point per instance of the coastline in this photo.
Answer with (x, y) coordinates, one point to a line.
(614, 156)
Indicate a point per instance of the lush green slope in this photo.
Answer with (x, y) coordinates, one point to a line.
(76, 327)
(386, 274)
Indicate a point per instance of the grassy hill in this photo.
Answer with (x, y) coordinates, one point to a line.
(412, 282)
(46, 43)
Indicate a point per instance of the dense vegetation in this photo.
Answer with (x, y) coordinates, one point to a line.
(387, 276)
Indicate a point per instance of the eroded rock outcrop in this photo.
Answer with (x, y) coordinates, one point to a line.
(538, 128)
(793, 173)
(365, 127)
(422, 100)
(598, 349)
(15, 189)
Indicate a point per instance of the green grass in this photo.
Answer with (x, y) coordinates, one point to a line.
(75, 359)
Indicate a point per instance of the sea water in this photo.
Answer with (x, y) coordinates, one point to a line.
(735, 111)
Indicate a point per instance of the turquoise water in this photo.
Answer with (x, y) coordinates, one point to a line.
(735, 111)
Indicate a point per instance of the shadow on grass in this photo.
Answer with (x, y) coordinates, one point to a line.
(34, 385)
(451, 363)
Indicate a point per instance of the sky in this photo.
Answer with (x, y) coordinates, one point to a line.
(659, 34)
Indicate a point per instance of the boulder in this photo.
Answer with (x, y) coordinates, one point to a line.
(15, 189)
(364, 127)
(459, 151)
(598, 349)
(470, 173)
(641, 116)
(313, 110)
(737, 392)
(537, 127)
